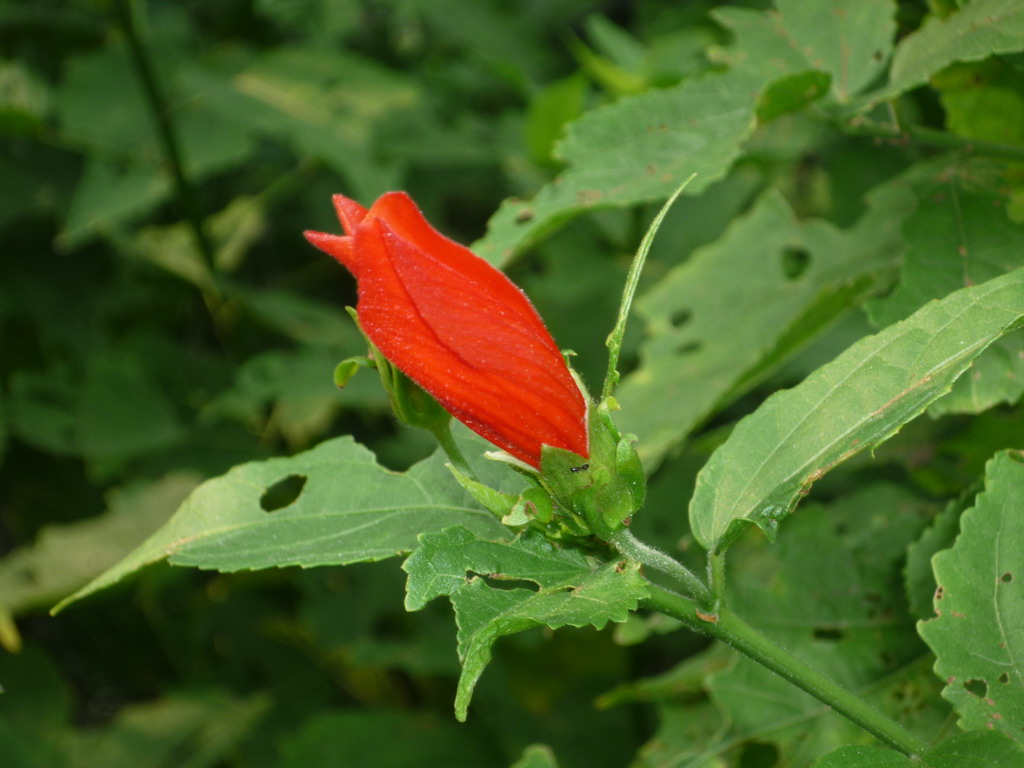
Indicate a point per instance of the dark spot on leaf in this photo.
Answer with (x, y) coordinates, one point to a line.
(795, 262)
(831, 634)
(1004, 678)
(976, 687)
(1006, 578)
(680, 317)
(939, 592)
(524, 216)
(283, 493)
(688, 348)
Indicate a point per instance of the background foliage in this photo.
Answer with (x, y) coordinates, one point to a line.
(162, 321)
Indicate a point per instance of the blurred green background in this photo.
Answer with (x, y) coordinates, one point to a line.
(162, 319)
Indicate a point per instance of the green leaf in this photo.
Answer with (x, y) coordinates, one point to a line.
(978, 30)
(331, 505)
(920, 581)
(701, 349)
(791, 94)
(958, 236)
(978, 632)
(859, 400)
(485, 614)
(848, 620)
(65, 557)
(849, 39)
(977, 749)
(445, 560)
(536, 756)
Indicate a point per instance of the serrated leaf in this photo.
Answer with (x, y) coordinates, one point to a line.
(920, 582)
(958, 236)
(331, 505)
(978, 30)
(485, 614)
(704, 346)
(855, 402)
(978, 632)
(444, 560)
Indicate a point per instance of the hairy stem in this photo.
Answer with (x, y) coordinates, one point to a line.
(451, 448)
(630, 546)
(726, 626)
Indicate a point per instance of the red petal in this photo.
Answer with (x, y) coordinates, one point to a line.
(335, 245)
(350, 213)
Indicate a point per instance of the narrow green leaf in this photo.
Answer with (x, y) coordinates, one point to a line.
(856, 402)
(978, 30)
(331, 505)
(978, 631)
(485, 614)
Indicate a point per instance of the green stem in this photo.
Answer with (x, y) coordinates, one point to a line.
(716, 574)
(933, 138)
(726, 626)
(169, 140)
(455, 456)
(630, 546)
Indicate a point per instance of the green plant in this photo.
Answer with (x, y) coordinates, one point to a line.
(846, 257)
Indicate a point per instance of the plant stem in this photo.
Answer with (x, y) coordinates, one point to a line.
(732, 630)
(451, 448)
(629, 545)
(932, 137)
(716, 574)
(171, 147)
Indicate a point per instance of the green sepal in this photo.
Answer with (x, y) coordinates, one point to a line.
(604, 490)
(349, 367)
(533, 504)
(411, 404)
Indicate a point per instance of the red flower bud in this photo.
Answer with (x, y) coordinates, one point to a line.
(458, 327)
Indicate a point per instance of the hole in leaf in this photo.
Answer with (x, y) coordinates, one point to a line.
(976, 687)
(1004, 678)
(830, 634)
(1006, 578)
(680, 317)
(688, 348)
(283, 493)
(759, 755)
(500, 581)
(795, 262)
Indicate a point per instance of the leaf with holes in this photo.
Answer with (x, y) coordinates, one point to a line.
(770, 273)
(331, 505)
(593, 597)
(978, 632)
(856, 402)
(959, 235)
(444, 560)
